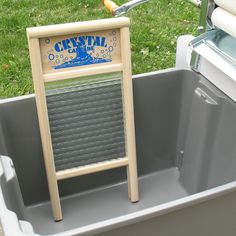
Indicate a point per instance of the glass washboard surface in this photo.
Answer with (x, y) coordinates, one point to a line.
(86, 120)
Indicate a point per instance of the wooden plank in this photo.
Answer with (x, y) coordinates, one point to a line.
(97, 167)
(129, 115)
(44, 127)
(71, 28)
(82, 72)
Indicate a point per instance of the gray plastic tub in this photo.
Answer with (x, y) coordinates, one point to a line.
(185, 135)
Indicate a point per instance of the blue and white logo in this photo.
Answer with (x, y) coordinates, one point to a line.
(81, 50)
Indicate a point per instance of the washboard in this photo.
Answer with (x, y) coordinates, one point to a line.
(83, 88)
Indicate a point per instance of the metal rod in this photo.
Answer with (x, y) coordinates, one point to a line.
(120, 10)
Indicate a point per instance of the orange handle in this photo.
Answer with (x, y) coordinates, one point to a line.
(110, 5)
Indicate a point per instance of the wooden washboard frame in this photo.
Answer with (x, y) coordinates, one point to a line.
(44, 72)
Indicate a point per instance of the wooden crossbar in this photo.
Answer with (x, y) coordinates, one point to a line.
(89, 169)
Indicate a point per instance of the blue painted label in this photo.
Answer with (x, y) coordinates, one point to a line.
(81, 45)
(80, 50)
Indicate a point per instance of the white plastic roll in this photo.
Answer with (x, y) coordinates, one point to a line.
(224, 20)
(228, 5)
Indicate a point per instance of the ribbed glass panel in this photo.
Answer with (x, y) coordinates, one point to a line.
(86, 120)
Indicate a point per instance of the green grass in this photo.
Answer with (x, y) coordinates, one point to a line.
(155, 28)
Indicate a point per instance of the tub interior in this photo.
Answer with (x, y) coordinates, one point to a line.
(185, 135)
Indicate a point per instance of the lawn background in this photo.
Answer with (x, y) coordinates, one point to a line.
(154, 31)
